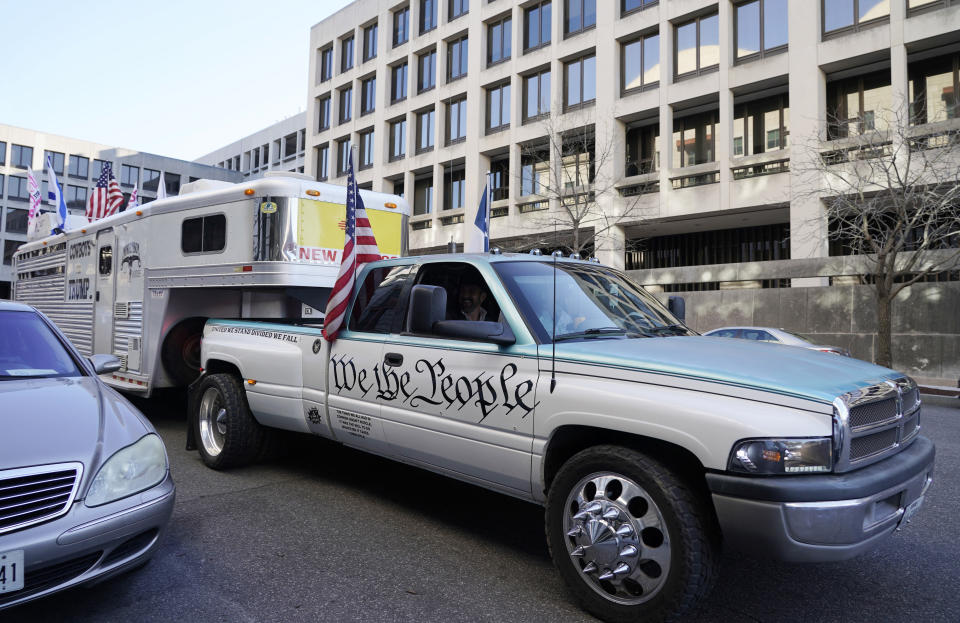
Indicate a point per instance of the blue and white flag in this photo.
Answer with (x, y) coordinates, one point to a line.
(482, 222)
(55, 196)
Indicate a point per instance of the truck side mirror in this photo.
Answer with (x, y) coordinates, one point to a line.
(428, 304)
(677, 307)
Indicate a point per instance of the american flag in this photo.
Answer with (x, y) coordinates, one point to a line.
(106, 197)
(359, 248)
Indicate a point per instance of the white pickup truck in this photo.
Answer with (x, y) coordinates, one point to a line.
(561, 382)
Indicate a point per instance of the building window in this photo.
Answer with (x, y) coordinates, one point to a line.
(79, 166)
(423, 195)
(343, 156)
(369, 42)
(456, 8)
(323, 162)
(696, 46)
(368, 95)
(923, 5)
(398, 187)
(151, 179)
(577, 161)
(21, 156)
(323, 113)
(536, 26)
(579, 15)
(326, 64)
(760, 27)
(76, 197)
(401, 26)
(856, 105)
(536, 95)
(398, 83)
(693, 139)
(424, 131)
(580, 78)
(289, 146)
(2, 178)
(839, 15)
(172, 183)
(454, 187)
(129, 176)
(346, 104)
(500, 178)
(457, 120)
(534, 170)
(346, 54)
(16, 221)
(398, 139)
(761, 126)
(640, 63)
(629, 6)
(17, 188)
(499, 36)
(643, 150)
(426, 71)
(58, 160)
(498, 108)
(428, 15)
(98, 168)
(3, 153)
(366, 149)
(935, 89)
(744, 244)
(457, 59)
(9, 248)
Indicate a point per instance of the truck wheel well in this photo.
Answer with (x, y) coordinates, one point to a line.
(567, 441)
(215, 366)
(180, 350)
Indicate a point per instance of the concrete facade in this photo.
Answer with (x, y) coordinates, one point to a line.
(78, 179)
(279, 147)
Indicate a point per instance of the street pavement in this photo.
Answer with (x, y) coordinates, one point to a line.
(330, 534)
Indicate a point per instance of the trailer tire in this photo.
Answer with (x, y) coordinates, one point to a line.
(227, 433)
(180, 353)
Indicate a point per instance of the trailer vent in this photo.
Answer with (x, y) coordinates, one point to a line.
(123, 362)
(121, 311)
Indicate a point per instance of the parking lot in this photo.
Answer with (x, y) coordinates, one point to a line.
(327, 533)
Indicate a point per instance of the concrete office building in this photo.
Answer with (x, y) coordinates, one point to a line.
(77, 164)
(279, 147)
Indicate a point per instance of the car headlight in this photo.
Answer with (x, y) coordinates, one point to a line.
(782, 456)
(135, 468)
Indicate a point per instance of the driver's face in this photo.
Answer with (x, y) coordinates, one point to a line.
(471, 295)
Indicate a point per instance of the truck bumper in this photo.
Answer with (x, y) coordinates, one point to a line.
(822, 518)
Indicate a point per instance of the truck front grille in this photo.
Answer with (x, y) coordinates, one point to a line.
(869, 445)
(873, 413)
(877, 421)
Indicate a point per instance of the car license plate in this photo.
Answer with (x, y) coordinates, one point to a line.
(11, 571)
(911, 509)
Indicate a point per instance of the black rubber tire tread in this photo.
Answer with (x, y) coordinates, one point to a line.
(244, 440)
(171, 355)
(694, 534)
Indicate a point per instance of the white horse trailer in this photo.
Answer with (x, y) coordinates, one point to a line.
(140, 284)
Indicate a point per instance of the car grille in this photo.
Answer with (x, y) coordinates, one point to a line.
(32, 495)
(878, 421)
(42, 578)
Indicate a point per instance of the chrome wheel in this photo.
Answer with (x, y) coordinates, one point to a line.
(213, 421)
(617, 538)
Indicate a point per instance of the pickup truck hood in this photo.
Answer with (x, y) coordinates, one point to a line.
(770, 367)
(63, 419)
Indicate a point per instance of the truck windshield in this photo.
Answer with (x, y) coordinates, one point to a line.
(29, 349)
(592, 302)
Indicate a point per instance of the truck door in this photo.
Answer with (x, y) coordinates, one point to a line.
(104, 293)
(465, 407)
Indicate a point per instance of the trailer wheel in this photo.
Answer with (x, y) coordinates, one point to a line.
(180, 353)
(631, 539)
(227, 433)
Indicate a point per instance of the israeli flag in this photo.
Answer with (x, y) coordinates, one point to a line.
(55, 197)
(482, 222)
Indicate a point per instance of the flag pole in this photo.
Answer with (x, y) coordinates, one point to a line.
(489, 191)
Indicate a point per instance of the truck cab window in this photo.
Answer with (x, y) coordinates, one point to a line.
(206, 234)
(380, 303)
(468, 294)
(106, 261)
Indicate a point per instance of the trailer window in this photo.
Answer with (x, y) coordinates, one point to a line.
(206, 234)
(106, 260)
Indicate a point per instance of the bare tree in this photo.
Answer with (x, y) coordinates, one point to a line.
(567, 176)
(891, 196)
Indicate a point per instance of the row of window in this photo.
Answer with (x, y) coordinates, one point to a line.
(76, 196)
(281, 150)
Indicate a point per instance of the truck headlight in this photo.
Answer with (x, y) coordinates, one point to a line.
(135, 468)
(782, 456)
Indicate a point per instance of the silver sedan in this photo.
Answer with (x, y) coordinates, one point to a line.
(85, 487)
(768, 334)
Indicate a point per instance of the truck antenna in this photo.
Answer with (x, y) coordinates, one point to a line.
(553, 329)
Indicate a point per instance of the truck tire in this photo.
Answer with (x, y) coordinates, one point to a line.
(226, 432)
(180, 352)
(630, 538)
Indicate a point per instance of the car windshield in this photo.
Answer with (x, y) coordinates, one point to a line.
(29, 349)
(592, 302)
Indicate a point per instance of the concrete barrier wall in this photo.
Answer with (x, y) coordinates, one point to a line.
(926, 321)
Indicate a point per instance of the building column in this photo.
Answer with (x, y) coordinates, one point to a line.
(722, 142)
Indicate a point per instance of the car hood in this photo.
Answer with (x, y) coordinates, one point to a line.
(770, 367)
(60, 420)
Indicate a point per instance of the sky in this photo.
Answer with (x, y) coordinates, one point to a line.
(175, 78)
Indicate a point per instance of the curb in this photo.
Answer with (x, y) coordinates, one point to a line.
(939, 390)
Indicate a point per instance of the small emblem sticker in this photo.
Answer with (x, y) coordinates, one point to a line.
(317, 345)
(268, 207)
